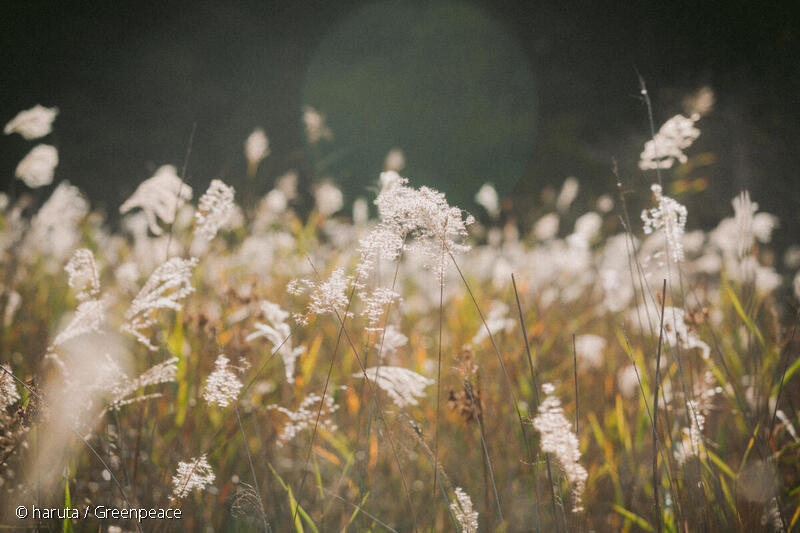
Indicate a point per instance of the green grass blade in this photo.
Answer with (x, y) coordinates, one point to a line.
(67, 527)
(636, 519)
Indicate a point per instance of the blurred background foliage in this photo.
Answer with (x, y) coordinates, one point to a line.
(522, 94)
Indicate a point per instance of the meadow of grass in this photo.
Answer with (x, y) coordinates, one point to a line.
(607, 369)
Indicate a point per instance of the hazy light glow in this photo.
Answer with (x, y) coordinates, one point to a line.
(445, 81)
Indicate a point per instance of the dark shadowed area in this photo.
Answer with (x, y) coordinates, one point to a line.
(521, 94)
(446, 82)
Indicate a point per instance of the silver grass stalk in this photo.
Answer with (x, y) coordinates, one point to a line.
(667, 146)
(462, 509)
(214, 209)
(194, 474)
(559, 440)
(668, 216)
(306, 415)
(402, 385)
(159, 197)
(9, 394)
(82, 272)
(166, 287)
(222, 386)
(277, 332)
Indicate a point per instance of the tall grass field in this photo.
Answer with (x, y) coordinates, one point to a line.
(210, 360)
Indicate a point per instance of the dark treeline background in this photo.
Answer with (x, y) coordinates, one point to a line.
(132, 78)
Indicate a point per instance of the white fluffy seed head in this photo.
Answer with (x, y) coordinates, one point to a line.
(123, 390)
(54, 228)
(546, 228)
(329, 198)
(256, 148)
(669, 217)
(159, 197)
(390, 340)
(88, 318)
(32, 123)
(394, 160)
(589, 350)
(375, 303)
(8, 389)
(497, 320)
(194, 474)
(38, 167)
(222, 386)
(167, 286)
(277, 331)
(214, 209)
(567, 194)
(316, 129)
(403, 386)
(488, 199)
(559, 439)
(312, 411)
(667, 146)
(462, 508)
(421, 216)
(329, 296)
(82, 272)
